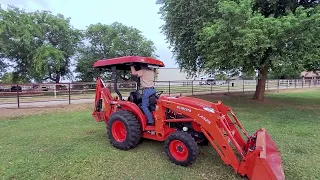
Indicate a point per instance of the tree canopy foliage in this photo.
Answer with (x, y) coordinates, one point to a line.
(3, 67)
(110, 41)
(41, 46)
(247, 35)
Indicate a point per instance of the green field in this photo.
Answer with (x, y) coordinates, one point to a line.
(73, 146)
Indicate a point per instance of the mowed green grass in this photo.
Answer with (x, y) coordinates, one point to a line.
(74, 146)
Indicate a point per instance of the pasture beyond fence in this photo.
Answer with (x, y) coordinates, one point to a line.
(13, 95)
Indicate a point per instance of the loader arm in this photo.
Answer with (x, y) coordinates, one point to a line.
(255, 156)
(214, 127)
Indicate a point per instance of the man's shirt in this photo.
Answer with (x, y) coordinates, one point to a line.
(146, 77)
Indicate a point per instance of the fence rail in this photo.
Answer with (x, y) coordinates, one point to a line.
(14, 95)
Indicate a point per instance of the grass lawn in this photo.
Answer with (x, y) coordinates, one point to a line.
(69, 144)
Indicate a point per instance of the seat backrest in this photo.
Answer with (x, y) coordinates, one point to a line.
(137, 98)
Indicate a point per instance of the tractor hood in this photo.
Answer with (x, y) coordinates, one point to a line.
(189, 101)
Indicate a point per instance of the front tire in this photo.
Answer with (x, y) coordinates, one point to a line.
(181, 148)
(124, 130)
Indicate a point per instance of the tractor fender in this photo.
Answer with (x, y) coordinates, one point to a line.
(129, 106)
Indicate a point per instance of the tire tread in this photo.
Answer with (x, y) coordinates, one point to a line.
(190, 143)
(134, 130)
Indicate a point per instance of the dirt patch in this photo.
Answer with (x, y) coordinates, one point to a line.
(90, 132)
(11, 113)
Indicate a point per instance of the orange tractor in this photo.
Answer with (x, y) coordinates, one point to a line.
(182, 123)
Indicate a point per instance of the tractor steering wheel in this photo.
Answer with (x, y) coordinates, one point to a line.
(158, 94)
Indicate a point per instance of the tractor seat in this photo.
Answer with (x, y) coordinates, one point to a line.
(136, 98)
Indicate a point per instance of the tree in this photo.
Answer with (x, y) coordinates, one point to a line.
(7, 78)
(39, 44)
(183, 20)
(3, 67)
(264, 41)
(58, 46)
(251, 35)
(284, 71)
(221, 76)
(248, 75)
(109, 41)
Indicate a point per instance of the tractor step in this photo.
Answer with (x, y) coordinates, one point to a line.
(152, 132)
(150, 128)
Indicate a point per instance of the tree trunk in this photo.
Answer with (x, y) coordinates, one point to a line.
(57, 80)
(260, 88)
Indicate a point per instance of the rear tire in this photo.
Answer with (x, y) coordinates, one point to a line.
(124, 130)
(181, 148)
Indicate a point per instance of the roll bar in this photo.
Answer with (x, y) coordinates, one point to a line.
(114, 79)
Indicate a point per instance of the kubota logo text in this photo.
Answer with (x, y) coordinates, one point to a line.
(183, 108)
(204, 118)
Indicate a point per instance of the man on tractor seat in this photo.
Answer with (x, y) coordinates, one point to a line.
(146, 76)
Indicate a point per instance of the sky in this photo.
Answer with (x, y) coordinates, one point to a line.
(141, 14)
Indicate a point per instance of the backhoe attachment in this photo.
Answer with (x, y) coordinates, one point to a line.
(102, 101)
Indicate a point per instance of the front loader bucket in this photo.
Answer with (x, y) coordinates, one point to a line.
(264, 163)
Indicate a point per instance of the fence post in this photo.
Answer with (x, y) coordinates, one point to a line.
(169, 87)
(211, 87)
(302, 83)
(192, 87)
(267, 84)
(278, 83)
(228, 85)
(309, 83)
(243, 85)
(69, 93)
(295, 83)
(55, 91)
(18, 96)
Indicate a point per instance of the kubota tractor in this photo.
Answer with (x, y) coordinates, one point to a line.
(182, 123)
